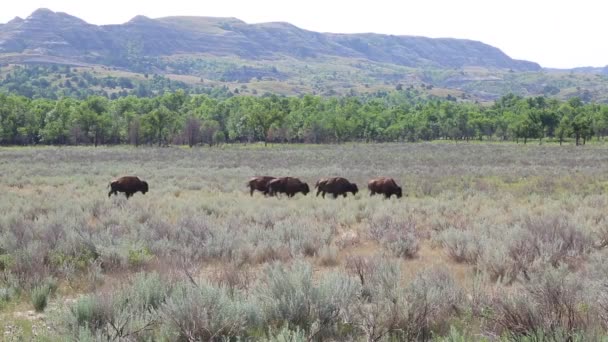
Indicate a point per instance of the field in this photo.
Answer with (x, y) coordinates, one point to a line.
(489, 242)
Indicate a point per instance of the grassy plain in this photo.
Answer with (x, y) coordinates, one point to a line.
(490, 241)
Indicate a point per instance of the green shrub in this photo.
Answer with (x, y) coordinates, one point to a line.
(40, 296)
(138, 257)
(288, 335)
(90, 313)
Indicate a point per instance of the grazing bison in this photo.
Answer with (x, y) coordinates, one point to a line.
(384, 185)
(336, 186)
(259, 183)
(287, 185)
(129, 185)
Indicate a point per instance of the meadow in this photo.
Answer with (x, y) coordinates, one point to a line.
(490, 242)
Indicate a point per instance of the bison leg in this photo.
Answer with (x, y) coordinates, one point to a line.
(318, 192)
(251, 191)
(344, 195)
(110, 193)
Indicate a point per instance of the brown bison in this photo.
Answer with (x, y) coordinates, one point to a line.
(336, 186)
(259, 183)
(384, 185)
(129, 185)
(287, 185)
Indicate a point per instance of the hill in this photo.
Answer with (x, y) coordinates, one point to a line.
(47, 33)
(282, 58)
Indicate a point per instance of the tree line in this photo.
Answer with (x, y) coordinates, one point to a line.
(181, 118)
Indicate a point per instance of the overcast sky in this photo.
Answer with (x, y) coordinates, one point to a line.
(559, 33)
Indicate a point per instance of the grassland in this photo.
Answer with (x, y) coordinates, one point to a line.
(489, 242)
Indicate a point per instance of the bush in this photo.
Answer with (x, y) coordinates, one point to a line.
(557, 240)
(551, 306)
(127, 312)
(405, 313)
(289, 296)
(460, 245)
(204, 313)
(138, 257)
(399, 237)
(88, 312)
(288, 335)
(40, 296)
(328, 256)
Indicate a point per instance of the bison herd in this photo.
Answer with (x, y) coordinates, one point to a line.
(336, 186)
(272, 186)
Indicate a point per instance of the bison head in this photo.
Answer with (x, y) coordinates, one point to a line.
(305, 189)
(144, 187)
(398, 192)
(353, 188)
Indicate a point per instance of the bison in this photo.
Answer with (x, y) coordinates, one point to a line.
(287, 185)
(259, 183)
(129, 185)
(336, 186)
(384, 185)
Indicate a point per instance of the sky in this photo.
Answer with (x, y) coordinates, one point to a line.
(555, 34)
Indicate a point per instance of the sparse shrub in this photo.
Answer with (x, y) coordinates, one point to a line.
(360, 267)
(148, 290)
(387, 308)
(557, 240)
(40, 296)
(234, 278)
(88, 312)
(398, 236)
(328, 256)
(496, 262)
(404, 245)
(288, 335)
(348, 239)
(6, 294)
(204, 313)
(138, 257)
(289, 296)
(551, 306)
(127, 312)
(460, 245)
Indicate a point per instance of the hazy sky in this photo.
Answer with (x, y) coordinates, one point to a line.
(559, 33)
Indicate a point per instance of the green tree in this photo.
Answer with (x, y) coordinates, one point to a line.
(159, 124)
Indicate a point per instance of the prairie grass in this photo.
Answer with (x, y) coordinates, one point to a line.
(484, 235)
